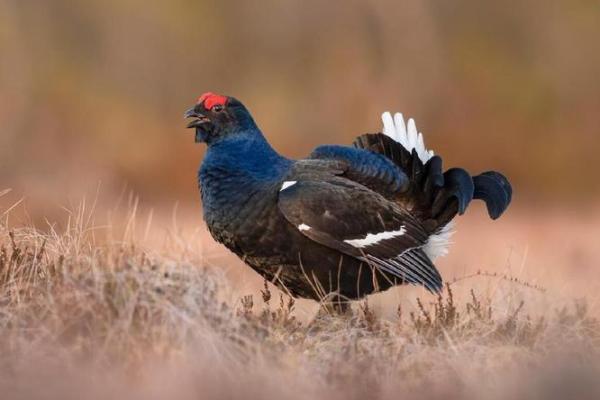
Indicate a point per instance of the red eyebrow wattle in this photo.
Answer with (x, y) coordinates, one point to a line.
(211, 99)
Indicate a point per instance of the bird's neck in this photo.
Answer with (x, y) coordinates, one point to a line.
(246, 155)
(237, 172)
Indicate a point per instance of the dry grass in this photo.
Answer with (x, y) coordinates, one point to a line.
(84, 315)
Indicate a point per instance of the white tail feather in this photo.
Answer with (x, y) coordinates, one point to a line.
(405, 134)
(411, 127)
(388, 126)
(400, 128)
(410, 138)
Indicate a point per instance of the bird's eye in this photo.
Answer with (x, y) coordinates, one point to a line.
(217, 108)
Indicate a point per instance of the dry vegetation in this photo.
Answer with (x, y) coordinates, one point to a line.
(89, 313)
(94, 91)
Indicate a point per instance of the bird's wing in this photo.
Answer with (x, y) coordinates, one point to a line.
(356, 221)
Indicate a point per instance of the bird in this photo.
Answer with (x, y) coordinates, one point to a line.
(342, 223)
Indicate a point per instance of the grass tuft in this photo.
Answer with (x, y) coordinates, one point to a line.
(105, 318)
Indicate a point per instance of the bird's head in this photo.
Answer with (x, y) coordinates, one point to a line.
(215, 116)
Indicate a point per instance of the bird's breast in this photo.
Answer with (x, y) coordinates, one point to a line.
(242, 213)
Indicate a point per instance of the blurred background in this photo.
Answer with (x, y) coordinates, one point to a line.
(94, 91)
(92, 95)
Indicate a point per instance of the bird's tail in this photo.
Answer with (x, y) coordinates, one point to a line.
(435, 195)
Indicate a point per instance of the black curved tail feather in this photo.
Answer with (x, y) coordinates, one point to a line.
(493, 188)
(458, 184)
(434, 177)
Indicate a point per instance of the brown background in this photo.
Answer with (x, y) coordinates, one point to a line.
(94, 91)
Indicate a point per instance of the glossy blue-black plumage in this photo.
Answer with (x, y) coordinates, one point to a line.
(493, 188)
(348, 221)
(235, 167)
(245, 160)
(374, 169)
(241, 178)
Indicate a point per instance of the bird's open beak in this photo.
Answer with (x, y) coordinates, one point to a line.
(198, 120)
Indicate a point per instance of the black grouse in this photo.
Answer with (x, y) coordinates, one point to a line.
(343, 222)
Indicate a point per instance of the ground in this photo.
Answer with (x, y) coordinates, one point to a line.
(144, 309)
